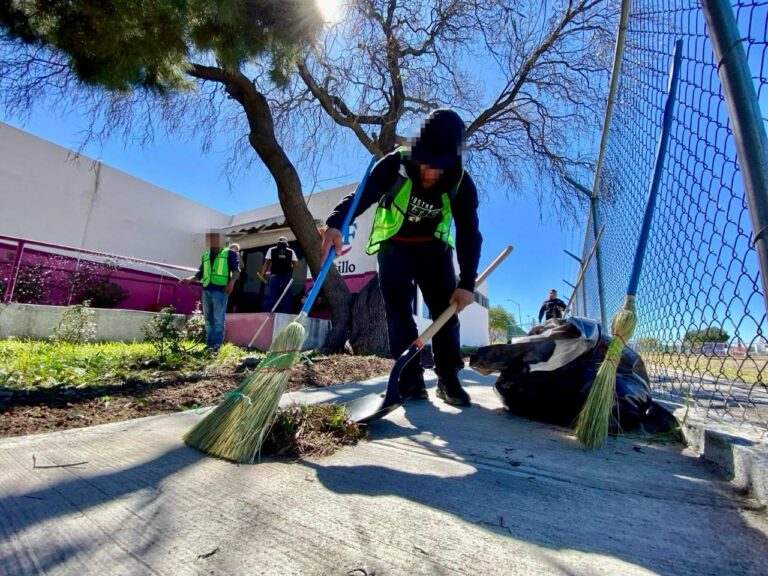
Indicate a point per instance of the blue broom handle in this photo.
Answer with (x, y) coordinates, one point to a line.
(312, 296)
(658, 168)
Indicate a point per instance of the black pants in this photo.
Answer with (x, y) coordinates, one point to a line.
(402, 266)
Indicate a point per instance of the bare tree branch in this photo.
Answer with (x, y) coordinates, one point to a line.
(528, 79)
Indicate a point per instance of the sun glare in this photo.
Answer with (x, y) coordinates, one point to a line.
(330, 10)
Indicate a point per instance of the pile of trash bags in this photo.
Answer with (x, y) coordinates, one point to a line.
(547, 375)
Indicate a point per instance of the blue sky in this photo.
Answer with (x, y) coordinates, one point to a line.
(519, 285)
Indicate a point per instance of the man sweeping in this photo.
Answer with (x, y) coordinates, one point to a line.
(420, 191)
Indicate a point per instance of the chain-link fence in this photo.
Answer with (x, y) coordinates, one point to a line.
(700, 304)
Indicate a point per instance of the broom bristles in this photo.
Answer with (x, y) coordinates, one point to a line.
(595, 417)
(236, 428)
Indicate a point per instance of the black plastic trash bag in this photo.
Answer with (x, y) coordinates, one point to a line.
(547, 375)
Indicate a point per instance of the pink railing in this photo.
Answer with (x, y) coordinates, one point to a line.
(55, 274)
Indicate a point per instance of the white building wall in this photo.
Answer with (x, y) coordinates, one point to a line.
(49, 196)
(473, 321)
(354, 260)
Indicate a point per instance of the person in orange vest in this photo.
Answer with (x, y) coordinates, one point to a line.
(218, 272)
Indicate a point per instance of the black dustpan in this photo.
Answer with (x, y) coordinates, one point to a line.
(374, 406)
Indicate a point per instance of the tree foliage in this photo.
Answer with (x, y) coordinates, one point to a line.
(123, 44)
(500, 323)
(698, 337)
(648, 344)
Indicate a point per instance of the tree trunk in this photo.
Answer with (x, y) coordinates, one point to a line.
(264, 141)
(369, 326)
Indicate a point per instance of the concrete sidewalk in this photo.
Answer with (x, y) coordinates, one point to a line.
(435, 490)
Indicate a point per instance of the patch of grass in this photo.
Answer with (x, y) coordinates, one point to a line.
(748, 369)
(43, 364)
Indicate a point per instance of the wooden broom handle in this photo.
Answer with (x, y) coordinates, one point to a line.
(451, 310)
(584, 267)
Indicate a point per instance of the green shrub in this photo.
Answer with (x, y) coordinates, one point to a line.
(103, 293)
(166, 333)
(194, 329)
(76, 325)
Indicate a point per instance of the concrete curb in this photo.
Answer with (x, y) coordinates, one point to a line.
(742, 460)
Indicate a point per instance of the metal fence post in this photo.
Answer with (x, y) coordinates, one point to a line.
(746, 121)
(15, 267)
(586, 191)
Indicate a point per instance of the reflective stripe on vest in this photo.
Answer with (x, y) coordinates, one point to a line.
(219, 276)
(390, 214)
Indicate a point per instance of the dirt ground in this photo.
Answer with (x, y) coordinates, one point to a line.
(23, 413)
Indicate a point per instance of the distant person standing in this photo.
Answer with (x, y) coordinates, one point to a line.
(553, 307)
(234, 247)
(281, 261)
(219, 270)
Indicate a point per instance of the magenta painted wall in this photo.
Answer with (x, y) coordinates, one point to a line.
(239, 329)
(46, 278)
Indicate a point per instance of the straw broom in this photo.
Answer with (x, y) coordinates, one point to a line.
(594, 420)
(236, 428)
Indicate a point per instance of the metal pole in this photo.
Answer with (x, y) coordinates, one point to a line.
(14, 273)
(596, 223)
(746, 121)
(584, 257)
(583, 270)
(572, 255)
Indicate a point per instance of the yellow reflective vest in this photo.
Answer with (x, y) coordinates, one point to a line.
(390, 213)
(218, 274)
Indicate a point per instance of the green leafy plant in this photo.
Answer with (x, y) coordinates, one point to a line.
(104, 293)
(166, 333)
(76, 325)
(194, 329)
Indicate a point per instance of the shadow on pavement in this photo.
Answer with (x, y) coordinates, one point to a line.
(679, 525)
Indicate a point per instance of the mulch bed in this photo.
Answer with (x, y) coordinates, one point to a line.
(23, 413)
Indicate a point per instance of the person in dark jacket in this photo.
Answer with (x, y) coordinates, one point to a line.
(219, 270)
(280, 261)
(419, 191)
(553, 307)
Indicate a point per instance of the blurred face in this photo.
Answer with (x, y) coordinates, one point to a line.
(553, 294)
(429, 175)
(213, 240)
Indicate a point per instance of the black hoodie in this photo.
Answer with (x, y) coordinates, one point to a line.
(424, 210)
